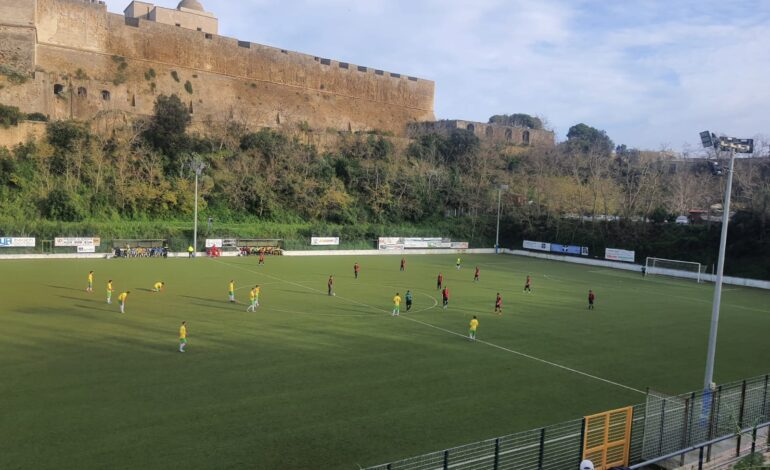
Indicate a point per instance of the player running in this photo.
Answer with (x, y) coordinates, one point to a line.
(231, 291)
(408, 298)
(472, 328)
(476, 275)
(403, 264)
(90, 287)
(122, 301)
(182, 336)
(330, 285)
(528, 284)
(459, 263)
(591, 298)
(396, 305)
(356, 270)
(499, 304)
(439, 281)
(445, 297)
(110, 290)
(158, 286)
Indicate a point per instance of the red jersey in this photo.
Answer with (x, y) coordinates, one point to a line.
(477, 272)
(440, 278)
(356, 267)
(445, 293)
(403, 262)
(591, 297)
(499, 301)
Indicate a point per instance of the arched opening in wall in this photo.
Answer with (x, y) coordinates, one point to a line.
(508, 134)
(489, 131)
(105, 95)
(192, 111)
(525, 137)
(471, 127)
(58, 89)
(82, 92)
(133, 101)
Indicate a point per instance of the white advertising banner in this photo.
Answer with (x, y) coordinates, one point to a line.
(460, 245)
(421, 242)
(614, 254)
(390, 243)
(16, 242)
(86, 249)
(214, 242)
(539, 246)
(324, 241)
(77, 241)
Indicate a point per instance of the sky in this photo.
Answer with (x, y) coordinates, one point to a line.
(651, 73)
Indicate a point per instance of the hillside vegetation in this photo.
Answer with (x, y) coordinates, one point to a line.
(136, 182)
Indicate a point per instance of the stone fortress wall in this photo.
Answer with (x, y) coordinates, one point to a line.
(83, 61)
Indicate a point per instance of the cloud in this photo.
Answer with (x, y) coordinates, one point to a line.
(650, 72)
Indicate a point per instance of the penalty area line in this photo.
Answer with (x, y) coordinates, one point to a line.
(528, 356)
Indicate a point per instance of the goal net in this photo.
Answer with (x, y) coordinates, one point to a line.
(674, 268)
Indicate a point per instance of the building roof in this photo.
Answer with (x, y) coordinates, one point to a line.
(190, 5)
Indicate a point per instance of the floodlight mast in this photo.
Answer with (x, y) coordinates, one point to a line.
(733, 146)
(500, 189)
(197, 166)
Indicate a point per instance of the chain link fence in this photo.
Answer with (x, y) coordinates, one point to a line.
(663, 425)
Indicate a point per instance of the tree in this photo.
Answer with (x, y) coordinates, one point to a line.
(168, 127)
(517, 120)
(584, 139)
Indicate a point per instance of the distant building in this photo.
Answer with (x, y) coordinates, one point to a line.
(484, 131)
(189, 14)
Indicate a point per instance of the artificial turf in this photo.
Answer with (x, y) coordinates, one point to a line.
(312, 381)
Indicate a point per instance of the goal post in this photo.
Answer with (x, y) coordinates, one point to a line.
(674, 268)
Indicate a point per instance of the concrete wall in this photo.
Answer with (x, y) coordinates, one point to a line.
(79, 45)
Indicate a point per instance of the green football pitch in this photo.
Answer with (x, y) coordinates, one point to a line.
(313, 381)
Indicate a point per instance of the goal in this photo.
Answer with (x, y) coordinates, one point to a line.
(674, 268)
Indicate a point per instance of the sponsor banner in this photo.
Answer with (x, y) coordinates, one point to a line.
(214, 242)
(423, 242)
(16, 242)
(615, 254)
(539, 246)
(569, 249)
(391, 246)
(324, 241)
(86, 249)
(77, 241)
(460, 245)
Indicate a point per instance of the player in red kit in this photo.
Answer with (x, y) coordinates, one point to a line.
(439, 281)
(499, 304)
(445, 297)
(356, 270)
(476, 275)
(591, 298)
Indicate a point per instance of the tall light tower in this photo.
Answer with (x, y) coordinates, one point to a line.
(197, 165)
(500, 189)
(734, 146)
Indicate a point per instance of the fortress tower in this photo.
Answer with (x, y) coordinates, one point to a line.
(72, 59)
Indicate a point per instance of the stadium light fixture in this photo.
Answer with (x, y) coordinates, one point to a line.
(500, 189)
(732, 145)
(196, 165)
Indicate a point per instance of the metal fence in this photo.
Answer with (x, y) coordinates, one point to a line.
(661, 426)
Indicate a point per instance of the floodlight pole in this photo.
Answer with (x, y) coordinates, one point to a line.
(197, 166)
(712, 347)
(499, 206)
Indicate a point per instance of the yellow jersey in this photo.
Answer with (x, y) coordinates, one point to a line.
(122, 297)
(109, 287)
(182, 332)
(232, 287)
(257, 290)
(90, 277)
(474, 324)
(252, 294)
(397, 300)
(158, 285)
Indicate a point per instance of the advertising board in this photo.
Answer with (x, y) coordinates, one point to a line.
(77, 241)
(616, 254)
(539, 246)
(324, 241)
(16, 242)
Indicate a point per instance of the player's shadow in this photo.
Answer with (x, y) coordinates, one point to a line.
(144, 289)
(91, 307)
(66, 288)
(209, 303)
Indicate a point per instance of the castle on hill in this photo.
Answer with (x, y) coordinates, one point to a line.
(72, 59)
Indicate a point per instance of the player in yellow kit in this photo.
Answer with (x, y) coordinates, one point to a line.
(253, 299)
(122, 301)
(231, 291)
(182, 336)
(158, 286)
(472, 328)
(397, 305)
(110, 290)
(90, 287)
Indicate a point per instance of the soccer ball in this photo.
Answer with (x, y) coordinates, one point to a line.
(334, 294)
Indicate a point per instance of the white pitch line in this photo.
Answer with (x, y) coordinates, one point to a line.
(585, 374)
(553, 364)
